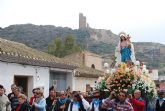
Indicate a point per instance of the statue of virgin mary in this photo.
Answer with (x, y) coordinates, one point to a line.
(125, 50)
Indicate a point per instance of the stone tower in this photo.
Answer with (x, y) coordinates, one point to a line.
(82, 21)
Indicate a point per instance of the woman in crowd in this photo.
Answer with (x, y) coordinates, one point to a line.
(137, 102)
(33, 97)
(40, 102)
(23, 105)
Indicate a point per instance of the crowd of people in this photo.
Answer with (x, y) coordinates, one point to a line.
(76, 101)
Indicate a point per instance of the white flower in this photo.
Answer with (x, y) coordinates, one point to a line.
(137, 63)
(127, 69)
(133, 85)
(144, 66)
(100, 79)
(113, 70)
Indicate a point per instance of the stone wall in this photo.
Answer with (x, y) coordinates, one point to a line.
(95, 60)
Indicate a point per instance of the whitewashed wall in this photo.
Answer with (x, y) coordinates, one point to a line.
(8, 70)
(79, 83)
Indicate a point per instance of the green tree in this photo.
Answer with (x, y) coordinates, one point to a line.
(60, 49)
(69, 45)
(56, 47)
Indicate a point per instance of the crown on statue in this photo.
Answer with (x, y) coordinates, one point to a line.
(121, 34)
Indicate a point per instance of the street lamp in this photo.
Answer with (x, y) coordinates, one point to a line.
(106, 65)
(106, 68)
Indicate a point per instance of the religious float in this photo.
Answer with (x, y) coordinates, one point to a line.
(127, 73)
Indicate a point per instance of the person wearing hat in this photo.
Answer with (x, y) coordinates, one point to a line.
(96, 103)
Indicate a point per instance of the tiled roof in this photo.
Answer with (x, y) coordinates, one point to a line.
(34, 62)
(14, 52)
(19, 53)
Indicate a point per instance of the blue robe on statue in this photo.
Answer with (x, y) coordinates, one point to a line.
(125, 54)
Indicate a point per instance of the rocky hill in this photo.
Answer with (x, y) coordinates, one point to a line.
(39, 36)
(95, 40)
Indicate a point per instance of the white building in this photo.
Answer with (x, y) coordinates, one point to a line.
(30, 68)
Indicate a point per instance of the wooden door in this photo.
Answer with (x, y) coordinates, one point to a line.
(22, 81)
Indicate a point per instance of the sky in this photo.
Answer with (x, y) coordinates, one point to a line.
(144, 20)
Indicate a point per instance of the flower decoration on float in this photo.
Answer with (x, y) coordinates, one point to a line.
(125, 79)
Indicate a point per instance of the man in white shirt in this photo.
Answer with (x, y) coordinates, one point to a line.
(96, 103)
(4, 101)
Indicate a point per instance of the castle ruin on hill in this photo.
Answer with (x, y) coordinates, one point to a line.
(83, 21)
